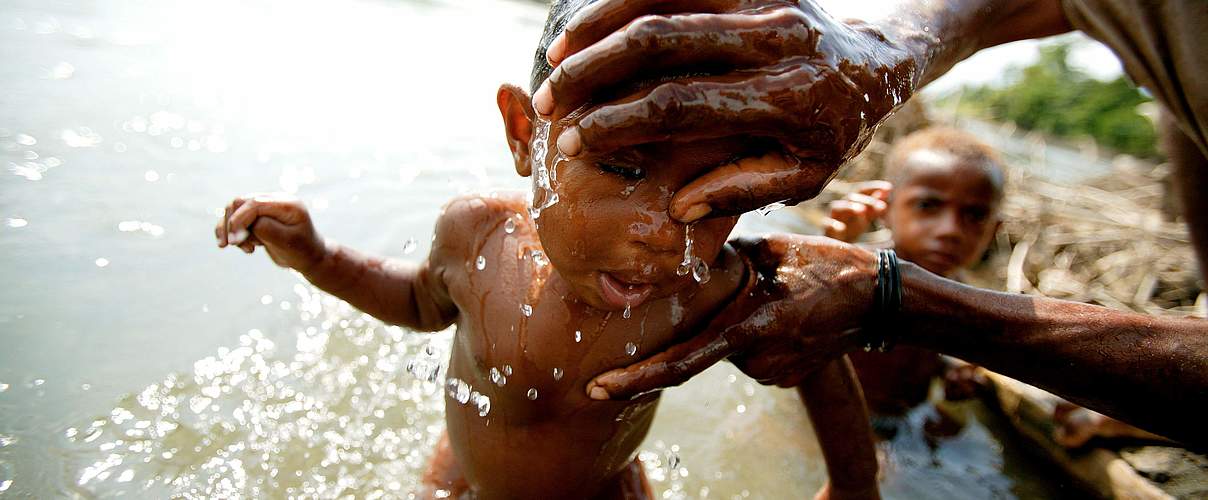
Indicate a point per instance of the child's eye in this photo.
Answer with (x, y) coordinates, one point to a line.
(631, 173)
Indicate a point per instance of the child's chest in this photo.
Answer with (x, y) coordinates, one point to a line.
(526, 344)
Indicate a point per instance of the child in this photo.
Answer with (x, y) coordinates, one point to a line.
(942, 205)
(591, 276)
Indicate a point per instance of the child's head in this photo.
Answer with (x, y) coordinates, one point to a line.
(609, 235)
(948, 188)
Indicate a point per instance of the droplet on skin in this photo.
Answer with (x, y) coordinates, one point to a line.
(409, 245)
(558, 374)
(631, 348)
(686, 265)
(507, 370)
(532, 394)
(628, 311)
(509, 226)
(578, 336)
(526, 309)
(481, 263)
(495, 376)
(700, 271)
(484, 405)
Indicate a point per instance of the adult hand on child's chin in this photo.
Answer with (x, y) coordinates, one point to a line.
(812, 295)
(782, 70)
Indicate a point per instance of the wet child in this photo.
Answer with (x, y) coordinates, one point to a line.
(590, 275)
(941, 203)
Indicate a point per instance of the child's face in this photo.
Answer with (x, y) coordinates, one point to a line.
(944, 214)
(610, 235)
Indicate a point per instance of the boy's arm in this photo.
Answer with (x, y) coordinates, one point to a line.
(398, 293)
(835, 403)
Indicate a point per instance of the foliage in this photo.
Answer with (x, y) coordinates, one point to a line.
(1051, 96)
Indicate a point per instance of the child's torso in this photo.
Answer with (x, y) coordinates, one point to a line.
(529, 348)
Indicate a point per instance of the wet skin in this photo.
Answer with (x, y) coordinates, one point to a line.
(783, 70)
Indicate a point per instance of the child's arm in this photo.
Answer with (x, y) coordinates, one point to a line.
(835, 403)
(398, 293)
(851, 216)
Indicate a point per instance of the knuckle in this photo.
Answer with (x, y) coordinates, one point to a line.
(647, 32)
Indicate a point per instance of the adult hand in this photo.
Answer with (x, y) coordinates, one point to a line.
(783, 70)
(278, 222)
(812, 295)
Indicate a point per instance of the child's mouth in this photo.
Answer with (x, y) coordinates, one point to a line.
(620, 294)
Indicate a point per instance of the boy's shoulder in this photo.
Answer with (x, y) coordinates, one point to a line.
(468, 219)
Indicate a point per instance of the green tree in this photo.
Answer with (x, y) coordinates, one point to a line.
(1052, 97)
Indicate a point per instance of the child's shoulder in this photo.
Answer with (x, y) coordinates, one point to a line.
(465, 221)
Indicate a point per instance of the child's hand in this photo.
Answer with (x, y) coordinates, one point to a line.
(962, 381)
(851, 216)
(279, 223)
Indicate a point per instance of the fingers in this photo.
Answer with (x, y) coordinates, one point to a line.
(668, 368)
(877, 189)
(597, 21)
(222, 231)
(749, 184)
(677, 42)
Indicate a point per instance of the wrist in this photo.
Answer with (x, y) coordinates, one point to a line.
(319, 259)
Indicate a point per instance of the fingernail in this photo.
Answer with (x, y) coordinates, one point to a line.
(599, 394)
(569, 142)
(556, 50)
(695, 212)
(543, 100)
(237, 237)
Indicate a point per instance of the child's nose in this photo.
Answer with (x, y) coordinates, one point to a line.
(656, 230)
(949, 226)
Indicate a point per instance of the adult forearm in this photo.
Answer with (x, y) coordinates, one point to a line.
(943, 33)
(397, 293)
(1145, 370)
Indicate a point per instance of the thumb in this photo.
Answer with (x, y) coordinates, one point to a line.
(748, 184)
(666, 369)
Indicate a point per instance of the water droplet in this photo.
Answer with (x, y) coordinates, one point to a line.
(496, 376)
(700, 271)
(631, 348)
(481, 263)
(578, 336)
(538, 258)
(673, 460)
(557, 374)
(102, 262)
(409, 245)
(526, 309)
(686, 265)
(627, 312)
(484, 405)
(532, 393)
(507, 370)
(463, 392)
(772, 207)
(17, 222)
(509, 226)
(151, 176)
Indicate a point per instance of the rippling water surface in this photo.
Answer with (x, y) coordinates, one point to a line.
(137, 360)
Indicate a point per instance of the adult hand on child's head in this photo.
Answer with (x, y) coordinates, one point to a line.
(276, 221)
(783, 70)
(852, 215)
(812, 295)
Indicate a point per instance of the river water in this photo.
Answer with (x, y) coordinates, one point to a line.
(138, 360)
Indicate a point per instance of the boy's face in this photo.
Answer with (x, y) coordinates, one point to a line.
(610, 235)
(944, 214)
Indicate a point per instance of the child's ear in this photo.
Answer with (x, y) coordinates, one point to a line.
(517, 109)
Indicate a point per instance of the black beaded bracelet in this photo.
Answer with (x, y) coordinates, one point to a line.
(879, 333)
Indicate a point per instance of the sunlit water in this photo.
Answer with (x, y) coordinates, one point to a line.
(139, 360)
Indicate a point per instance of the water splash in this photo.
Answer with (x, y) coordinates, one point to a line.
(772, 207)
(544, 192)
(686, 265)
(700, 271)
(410, 245)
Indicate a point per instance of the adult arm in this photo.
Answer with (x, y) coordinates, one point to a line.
(1148, 371)
(787, 71)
